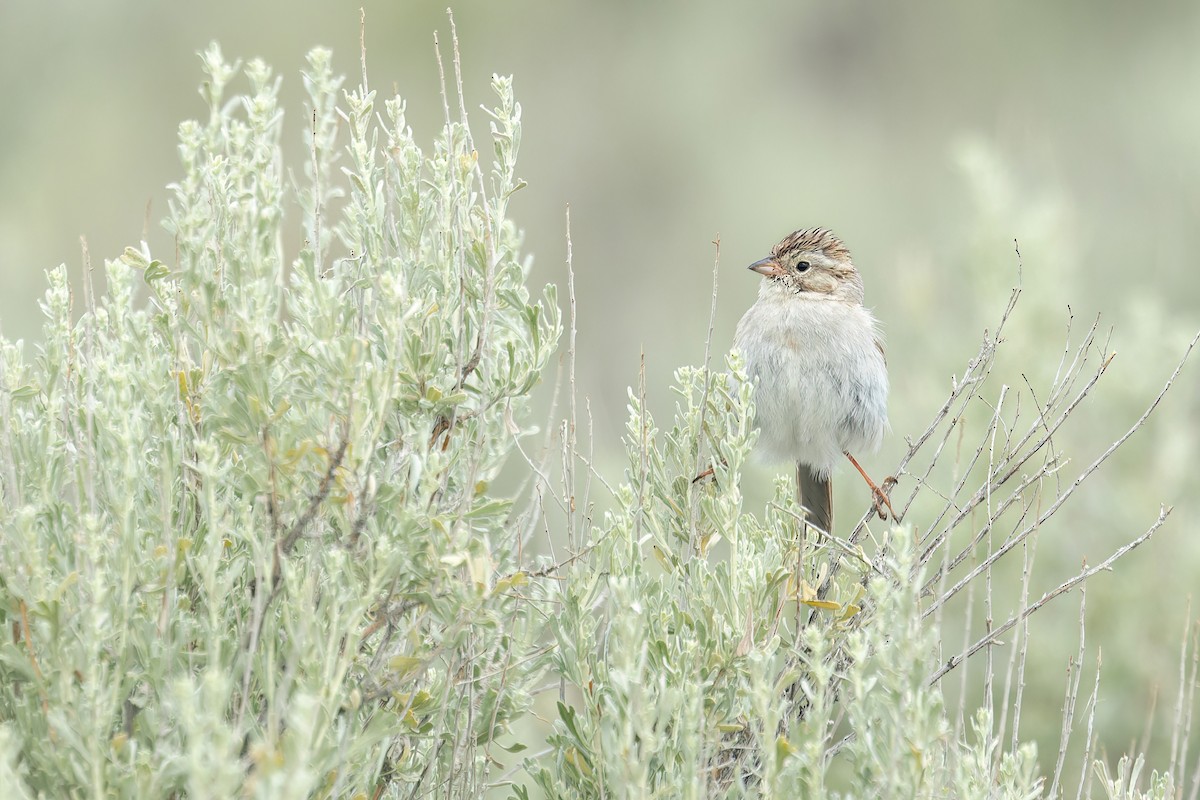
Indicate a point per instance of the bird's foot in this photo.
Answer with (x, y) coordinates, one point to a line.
(882, 499)
(883, 503)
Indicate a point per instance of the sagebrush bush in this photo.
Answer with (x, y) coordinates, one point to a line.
(249, 542)
(251, 545)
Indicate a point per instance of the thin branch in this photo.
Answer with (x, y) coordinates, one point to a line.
(572, 411)
(1089, 747)
(1074, 672)
(1062, 588)
(1066, 494)
(712, 321)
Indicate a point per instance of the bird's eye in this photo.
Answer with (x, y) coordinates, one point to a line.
(802, 266)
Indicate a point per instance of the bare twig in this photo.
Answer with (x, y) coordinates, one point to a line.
(712, 321)
(1074, 671)
(1062, 588)
(1178, 754)
(568, 449)
(1189, 715)
(1089, 747)
(1012, 541)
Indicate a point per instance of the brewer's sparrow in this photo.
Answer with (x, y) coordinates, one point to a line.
(814, 355)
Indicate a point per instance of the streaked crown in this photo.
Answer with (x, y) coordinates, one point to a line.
(819, 239)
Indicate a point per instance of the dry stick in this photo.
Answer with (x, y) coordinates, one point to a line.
(1062, 588)
(1087, 789)
(1081, 356)
(1018, 647)
(591, 471)
(552, 569)
(969, 550)
(1079, 398)
(572, 414)
(962, 511)
(1062, 360)
(588, 462)
(1178, 756)
(961, 394)
(1077, 364)
(994, 465)
(1090, 742)
(1058, 397)
(958, 717)
(971, 378)
(1187, 726)
(535, 496)
(1051, 451)
(962, 686)
(1074, 671)
(1060, 390)
(1030, 548)
(1063, 384)
(570, 449)
(1062, 498)
(960, 401)
(1010, 543)
(643, 455)
(981, 493)
(712, 322)
(988, 620)
(538, 469)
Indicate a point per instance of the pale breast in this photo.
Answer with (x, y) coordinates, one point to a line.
(820, 379)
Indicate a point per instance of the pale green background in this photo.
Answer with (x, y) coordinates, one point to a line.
(929, 135)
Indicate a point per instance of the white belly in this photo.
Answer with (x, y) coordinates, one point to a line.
(820, 379)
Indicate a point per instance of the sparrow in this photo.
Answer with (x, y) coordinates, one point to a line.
(815, 357)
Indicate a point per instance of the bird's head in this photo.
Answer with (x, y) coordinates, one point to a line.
(813, 262)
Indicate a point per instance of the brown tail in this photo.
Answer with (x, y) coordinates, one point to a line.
(816, 495)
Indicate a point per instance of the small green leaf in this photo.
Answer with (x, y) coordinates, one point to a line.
(567, 714)
(133, 257)
(155, 271)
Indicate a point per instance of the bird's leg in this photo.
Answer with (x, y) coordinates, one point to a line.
(881, 498)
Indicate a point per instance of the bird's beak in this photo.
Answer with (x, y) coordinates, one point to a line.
(767, 267)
